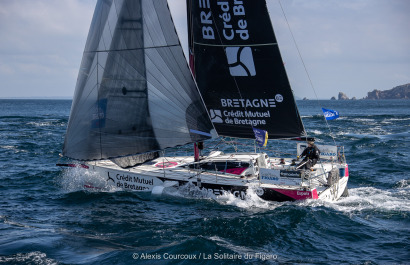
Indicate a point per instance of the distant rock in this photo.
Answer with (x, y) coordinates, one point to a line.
(342, 96)
(333, 98)
(398, 92)
(353, 98)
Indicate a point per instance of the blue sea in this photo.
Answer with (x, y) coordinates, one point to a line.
(46, 217)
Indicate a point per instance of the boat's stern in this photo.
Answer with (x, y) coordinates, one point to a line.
(283, 182)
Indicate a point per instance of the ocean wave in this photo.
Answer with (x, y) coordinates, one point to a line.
(45, 123)
(316, 132)
(397, 119)
(9, 147)
(20, 117)
(363, 120)
(366, 199)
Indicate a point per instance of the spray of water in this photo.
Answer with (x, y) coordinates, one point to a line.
(78, 179)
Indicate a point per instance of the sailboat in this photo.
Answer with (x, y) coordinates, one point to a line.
(136, 96)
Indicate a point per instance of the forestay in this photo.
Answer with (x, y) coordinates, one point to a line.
(134, 91)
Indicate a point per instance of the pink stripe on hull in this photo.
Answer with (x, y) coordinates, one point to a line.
(299, 194)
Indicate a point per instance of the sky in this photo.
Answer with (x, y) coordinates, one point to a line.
(350, 46)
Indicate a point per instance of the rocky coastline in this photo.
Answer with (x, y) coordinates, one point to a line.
(398, 92)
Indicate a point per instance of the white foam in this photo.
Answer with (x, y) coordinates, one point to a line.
(42, 123)
(251, 200)
(403, 184)
(396, 119)
(12, 223)
(9, 147)
(35, 257)
(77, 178)
(370, 199)
(363, 120)
(360, 200)
(189, 190)
(318, 132)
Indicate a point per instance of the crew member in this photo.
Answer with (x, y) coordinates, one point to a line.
(311, 154)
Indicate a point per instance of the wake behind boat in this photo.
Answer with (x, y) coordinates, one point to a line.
(136, 95)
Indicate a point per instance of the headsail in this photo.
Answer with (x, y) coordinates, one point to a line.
(239, 69)
(134, 91)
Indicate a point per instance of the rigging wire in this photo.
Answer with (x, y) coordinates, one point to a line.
(307, 73)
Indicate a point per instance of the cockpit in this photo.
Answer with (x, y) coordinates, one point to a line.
(241, 164)
(231, 167)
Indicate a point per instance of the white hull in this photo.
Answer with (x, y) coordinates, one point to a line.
(163, 172)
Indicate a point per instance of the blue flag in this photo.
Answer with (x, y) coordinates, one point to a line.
(261, 137)
(330, 114)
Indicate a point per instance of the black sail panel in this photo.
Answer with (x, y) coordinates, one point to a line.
(135, 93)
(239, 69)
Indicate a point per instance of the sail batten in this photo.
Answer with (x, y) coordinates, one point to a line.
(133, 49)
(235, 45)
(135, 93)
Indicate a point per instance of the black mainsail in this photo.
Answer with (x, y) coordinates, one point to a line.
(135, 93)
(239, 70)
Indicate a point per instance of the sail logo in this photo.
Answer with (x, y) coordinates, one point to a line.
(216, 116)
(240, 61)
(279, 98)
(250, 103)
